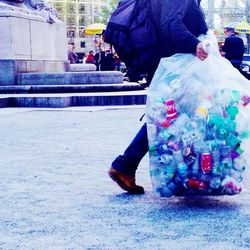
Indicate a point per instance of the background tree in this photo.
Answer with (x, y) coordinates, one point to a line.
(248, 20)
(222, 6)
(107, 11)
(210, 17)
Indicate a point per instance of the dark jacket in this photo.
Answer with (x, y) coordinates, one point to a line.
(109, 63)
(233, 48)
(179, 23)
(72, 57)
(99, 60)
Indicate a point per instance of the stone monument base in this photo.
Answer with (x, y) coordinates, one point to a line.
(10, 68)
(30, 44)
(81, 67)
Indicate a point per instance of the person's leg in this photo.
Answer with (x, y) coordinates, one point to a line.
(123, 168)
(129, 161)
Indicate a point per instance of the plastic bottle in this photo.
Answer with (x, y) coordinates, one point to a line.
(232, 112)
(230, 186)
(245, 100)
(217, 106)
(221, 125)
(155, 179)
(154, 157)
(166, 159)
(195, 168)
(174, 130)
(201, 113)
(235, 175)
(181, 166)
(235, 97)
(152, 133)
(203, 108)
(215, 182)
(242, 126)
(164, 135)
(189, 155)
(239, 164)
(162, 149)
(229, 97)
(221, 133)
(216, 169)
(206, 45)
(169, 190)
(200, 146)
(233, 141)
(167, 174)
(174, 145)
(179, 125)
(191, 136)
(226, 159)
(166, 192)
(156, 117)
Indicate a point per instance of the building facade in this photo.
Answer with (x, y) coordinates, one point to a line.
(220, 13)
(78, 14)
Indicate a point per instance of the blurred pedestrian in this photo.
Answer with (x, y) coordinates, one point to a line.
(99, 59)
(72, 56)
(179, 22)
(108, 61)
(233, 48)
(84, 58)
(117, 62)
(90, 57)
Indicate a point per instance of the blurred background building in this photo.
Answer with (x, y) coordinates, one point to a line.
(221, 12)
(78, 14)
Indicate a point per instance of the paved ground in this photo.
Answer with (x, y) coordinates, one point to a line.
(55, 193)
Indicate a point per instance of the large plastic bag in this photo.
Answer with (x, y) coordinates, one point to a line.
(197, 122)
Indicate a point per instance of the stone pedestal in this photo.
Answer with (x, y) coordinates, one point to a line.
(29, 44)
(81, 67)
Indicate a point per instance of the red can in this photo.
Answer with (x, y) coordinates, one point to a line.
(171, 112)
(197, 184)
(206, 162)
(171, 109)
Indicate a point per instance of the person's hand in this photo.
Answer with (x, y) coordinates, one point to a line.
(200, 52)
(222, 53)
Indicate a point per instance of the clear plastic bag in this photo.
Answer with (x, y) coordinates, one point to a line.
(198, 125)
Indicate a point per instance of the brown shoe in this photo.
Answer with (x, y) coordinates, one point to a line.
(126, 182)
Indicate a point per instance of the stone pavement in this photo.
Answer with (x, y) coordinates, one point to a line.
(55, 192)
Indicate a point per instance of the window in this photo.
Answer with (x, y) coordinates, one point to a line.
(71, 32)
(82, 9)
(71, 21)
(96, 9)
(58, 7)
(71, 8)
(82, 21)
(82, 44)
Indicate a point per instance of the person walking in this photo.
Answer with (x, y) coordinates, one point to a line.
(233, 48)
(179, 22)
